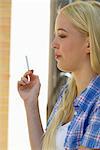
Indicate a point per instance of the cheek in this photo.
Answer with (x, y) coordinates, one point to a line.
(68, 50)
(73, 49)
(72, 56)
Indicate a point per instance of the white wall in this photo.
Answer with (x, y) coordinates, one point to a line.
(29, 36)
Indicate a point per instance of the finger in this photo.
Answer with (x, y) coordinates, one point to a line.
(24, 79)
(21, 83)
(29, 72)
(27, 76)
(30, 77)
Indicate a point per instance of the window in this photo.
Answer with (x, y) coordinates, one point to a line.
(29, 36)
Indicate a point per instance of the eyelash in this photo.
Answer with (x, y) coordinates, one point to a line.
(62, 36)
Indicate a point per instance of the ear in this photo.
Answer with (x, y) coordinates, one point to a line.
(87, 46)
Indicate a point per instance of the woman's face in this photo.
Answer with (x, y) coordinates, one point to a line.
(69, 44)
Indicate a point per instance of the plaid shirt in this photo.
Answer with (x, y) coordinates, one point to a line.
(84, 128)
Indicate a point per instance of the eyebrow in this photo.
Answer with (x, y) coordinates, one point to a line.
(62, 29)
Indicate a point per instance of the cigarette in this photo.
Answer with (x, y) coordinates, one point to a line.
(27, 63)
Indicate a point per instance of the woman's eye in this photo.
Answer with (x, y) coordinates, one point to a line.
(62, 36)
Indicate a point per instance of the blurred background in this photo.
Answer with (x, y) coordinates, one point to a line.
(26, 29)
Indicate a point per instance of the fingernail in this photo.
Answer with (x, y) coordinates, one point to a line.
(32, 70)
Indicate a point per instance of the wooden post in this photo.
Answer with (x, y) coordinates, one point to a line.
(52, 77)
(5, 13)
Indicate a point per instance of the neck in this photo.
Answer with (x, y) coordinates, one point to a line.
(82, 79)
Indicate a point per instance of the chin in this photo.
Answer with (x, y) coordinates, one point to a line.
(63, 69)
(66, 68)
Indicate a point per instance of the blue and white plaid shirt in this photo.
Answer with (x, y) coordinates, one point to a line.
(84, 129)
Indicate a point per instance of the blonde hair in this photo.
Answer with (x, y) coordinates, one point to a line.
(85, 16)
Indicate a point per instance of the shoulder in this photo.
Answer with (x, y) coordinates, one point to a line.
(91, 137)
(96, 103)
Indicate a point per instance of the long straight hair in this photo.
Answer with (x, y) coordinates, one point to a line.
(85, 16)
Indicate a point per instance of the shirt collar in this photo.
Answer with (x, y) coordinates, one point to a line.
(88, 95)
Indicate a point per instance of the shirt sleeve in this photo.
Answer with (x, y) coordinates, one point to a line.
(91, 138)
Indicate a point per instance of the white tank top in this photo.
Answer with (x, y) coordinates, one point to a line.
(60, 136)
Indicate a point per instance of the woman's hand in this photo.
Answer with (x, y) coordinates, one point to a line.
(29, 87)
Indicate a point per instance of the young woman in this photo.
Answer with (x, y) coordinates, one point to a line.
(74, 123)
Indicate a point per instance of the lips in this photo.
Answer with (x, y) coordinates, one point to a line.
(57, 56)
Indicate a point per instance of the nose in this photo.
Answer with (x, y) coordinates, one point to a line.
(54, 44)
